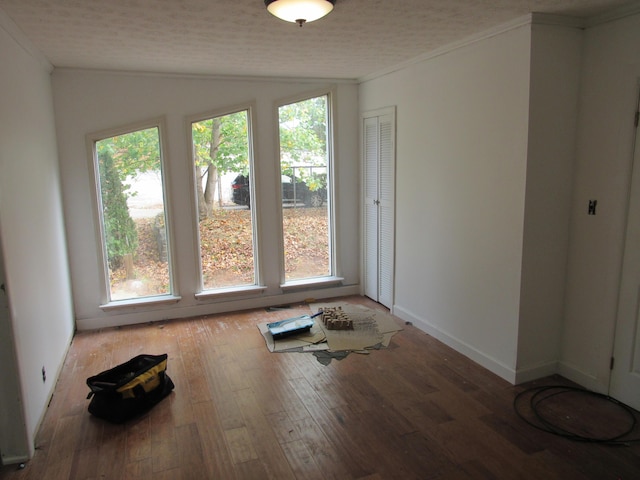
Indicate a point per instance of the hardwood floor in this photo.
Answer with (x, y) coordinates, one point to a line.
(416, 410)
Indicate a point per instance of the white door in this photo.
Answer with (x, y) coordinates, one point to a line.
(625, 375)
(379, 201)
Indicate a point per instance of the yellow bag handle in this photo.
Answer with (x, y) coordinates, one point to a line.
(148, 380)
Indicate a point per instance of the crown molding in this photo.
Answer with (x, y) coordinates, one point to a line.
(206, 76)
(538, 18)
(21, 40)
(615, 14)
(492, 32)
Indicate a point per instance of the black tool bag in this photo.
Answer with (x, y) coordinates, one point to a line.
(130, 389)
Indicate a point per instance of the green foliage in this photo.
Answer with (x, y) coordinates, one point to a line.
(134, 152)
(316, 181)
(119, 228)
(303, 133)
(120, 157)
(222, 142)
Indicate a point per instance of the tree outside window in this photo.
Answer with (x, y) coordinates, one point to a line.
(304, 166)
(221, 156)
(132, 214)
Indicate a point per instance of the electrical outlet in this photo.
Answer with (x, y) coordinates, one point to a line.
(44, 375)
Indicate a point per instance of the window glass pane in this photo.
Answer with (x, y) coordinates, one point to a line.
(133, 215)
(222, 165)
(304, 162)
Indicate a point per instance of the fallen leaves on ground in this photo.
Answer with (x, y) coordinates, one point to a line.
(226, 241)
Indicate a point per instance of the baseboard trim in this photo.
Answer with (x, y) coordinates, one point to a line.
(33, 435)
(583, 379)
(460, 346)
(228, 304)
(13, 459)
(534, 373)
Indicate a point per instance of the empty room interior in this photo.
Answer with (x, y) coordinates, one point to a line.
(175, 174)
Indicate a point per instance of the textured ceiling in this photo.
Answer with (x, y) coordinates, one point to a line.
(239, 37)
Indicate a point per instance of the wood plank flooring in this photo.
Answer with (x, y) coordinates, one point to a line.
(416, 410)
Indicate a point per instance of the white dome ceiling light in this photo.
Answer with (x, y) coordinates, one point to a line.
(299, 11)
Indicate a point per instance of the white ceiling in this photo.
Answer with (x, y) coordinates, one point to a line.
(239, 37)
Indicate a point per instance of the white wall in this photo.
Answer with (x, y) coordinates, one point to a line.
(462, 127)
(14, 442)
(34, 248)
(608, 100)
(555, 80)
(88, 102)
(501, 144)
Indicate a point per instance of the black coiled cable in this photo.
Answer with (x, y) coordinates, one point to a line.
(543, 393)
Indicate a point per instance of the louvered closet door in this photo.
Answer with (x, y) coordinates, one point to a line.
(379, 194)
(386, 226)
(371, 208)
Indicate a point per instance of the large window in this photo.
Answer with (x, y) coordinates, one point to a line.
(221, 150)
(133, 220)
(305, 149)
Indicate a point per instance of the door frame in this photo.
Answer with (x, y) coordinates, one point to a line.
(377, 113)
(627, 326)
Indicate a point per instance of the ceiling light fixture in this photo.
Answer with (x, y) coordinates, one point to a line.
(299, 11)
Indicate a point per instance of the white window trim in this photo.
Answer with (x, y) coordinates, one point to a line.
(258, 286)
(332, 278)
(103, 278)
(248, 290)
(311, 282)
(134, 303)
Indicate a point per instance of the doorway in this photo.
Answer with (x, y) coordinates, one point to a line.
(625, 373)
(379, 129)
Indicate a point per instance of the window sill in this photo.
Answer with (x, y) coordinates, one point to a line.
(140, 302)
(229, 292)
(311, 282)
